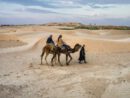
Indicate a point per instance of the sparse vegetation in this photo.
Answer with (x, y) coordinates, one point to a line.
(67, 28)
(94, 27)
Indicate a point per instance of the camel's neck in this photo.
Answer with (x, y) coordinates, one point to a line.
(74, 50)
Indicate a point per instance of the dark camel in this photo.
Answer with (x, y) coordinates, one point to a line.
(57, 51)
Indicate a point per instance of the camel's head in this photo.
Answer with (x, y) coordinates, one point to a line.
(77, 47)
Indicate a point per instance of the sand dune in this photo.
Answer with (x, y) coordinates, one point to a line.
(10, 41)
(106, 75)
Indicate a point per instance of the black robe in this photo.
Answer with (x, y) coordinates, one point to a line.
(49, 40)
(82, 54)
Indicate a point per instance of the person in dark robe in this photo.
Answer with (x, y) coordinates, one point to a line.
(82, 55)
(50, 42)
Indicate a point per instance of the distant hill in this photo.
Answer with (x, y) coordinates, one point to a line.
(75, 25)
(64, 24)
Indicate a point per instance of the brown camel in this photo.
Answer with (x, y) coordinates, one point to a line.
(57, 51)
(46, 49)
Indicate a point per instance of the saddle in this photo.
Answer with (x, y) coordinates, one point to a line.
(67, 47)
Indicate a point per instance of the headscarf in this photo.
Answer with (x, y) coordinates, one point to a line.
(60, 36)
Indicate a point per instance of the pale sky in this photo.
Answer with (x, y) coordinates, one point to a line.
(108, 12)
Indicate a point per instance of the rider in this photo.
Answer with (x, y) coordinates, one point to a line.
(61, 43)
(50, 42)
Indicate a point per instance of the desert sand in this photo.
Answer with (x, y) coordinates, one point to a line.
(106, 75)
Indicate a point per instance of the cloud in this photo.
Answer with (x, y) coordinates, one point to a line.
(84, 2)
(93, 11)
(37, 11)
(100, 6)
(65, 3)
(45, 3)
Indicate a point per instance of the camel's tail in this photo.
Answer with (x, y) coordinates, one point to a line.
(43, 51)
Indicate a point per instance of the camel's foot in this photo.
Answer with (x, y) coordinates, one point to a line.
(61, 65)
(67, 64)
(55, 63)
(85, 62)
(41, 63)
(47, 64)
(52, 65)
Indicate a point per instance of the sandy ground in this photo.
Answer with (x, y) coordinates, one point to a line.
(106, 75)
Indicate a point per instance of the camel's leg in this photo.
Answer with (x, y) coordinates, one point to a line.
(54, 56)
(46, 57)
(70, 58)
(42, 56)
(55, 60)
(66, 59)
(59, 59)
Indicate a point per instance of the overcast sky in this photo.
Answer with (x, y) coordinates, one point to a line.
(108, 12)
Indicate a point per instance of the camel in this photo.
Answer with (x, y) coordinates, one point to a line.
(46, 49)
(57, 51)
(67, 52)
